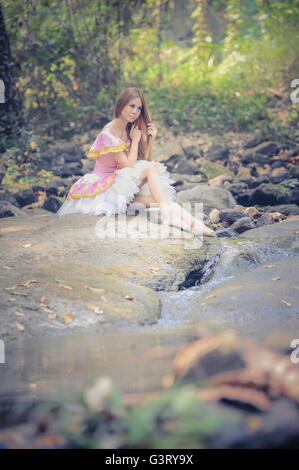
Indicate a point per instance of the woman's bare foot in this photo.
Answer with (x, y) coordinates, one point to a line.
(199, 228)
(170, 218)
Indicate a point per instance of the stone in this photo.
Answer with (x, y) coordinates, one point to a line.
(214, 216)
(242, 224)
(230, 215)
(265, 219)
(8, 210)
(210, 196)
(25, 197)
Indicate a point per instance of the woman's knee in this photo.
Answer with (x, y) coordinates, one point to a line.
(153, 168)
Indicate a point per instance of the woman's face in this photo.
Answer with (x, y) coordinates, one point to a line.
(132, 110)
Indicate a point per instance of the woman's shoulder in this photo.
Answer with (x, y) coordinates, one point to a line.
(106, 142)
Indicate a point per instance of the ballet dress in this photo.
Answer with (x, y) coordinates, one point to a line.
(110, 188)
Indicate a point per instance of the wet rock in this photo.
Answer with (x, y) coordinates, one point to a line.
(193, 151)
(294, 152)
(185, 166)
(294, 198)
(211, 169)
(242, 224)
(217, 151)
(268, 193)
(226, 232)
(237, 188)
(52, 204)
(244, 198)
(63, 172)
(251, 211)
(286, 209)
(9, 197)
(214, 216)
(53, 187)
(230, 215)
(210, 196)
(294, 172)
(267, 149)
(255, 140)
(25, 197)
(279, 174)
(265, 219)
(8, 210)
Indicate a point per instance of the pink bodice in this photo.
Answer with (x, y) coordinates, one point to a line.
(104, 172)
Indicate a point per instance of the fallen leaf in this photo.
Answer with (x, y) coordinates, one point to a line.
(20, 326)
(95, 308)
(19, 293)
(51, 316)
(6, 267)
(275, 279)
(286, 303)
(20, 314)
(43, 299)
(10, 288)
(94, 289)
(31, 281)
(127, 297)
(211, 296)
(46, 309)
(67, 317)
(65, 287)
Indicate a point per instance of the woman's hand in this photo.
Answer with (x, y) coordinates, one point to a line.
(135, 133)
(152, 130)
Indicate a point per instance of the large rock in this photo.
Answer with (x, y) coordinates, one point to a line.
(212, 197)
(99, 277)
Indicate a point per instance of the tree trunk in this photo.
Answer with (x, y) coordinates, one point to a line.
(11, 118)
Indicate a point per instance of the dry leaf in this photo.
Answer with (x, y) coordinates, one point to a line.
(94, 289)
(95, 308)
(46, 309)
(31, 281)
(286, 303)
(65, 287)
(20, 326)
(67, 317)
(19, 293)
(20, 314)
(51, 316)
(6, 267)
(275, 279)
(43, 299)
(211, 296)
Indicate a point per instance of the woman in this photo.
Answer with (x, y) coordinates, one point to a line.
(124, 175)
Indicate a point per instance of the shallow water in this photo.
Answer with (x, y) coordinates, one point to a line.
(137, 358)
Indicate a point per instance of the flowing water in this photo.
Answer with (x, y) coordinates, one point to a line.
(137, 358)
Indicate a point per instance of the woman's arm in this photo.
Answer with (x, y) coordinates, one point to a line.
(129, 160)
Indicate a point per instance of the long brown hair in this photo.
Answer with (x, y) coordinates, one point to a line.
(144, 148)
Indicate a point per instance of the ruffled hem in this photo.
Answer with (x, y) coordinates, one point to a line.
(116, 198)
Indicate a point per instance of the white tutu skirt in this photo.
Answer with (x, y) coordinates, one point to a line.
(117, 197)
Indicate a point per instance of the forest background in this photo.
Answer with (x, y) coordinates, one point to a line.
(204, 65)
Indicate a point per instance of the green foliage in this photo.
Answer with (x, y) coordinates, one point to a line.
(78, 56)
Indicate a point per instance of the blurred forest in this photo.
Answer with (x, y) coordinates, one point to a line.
(207, 65)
